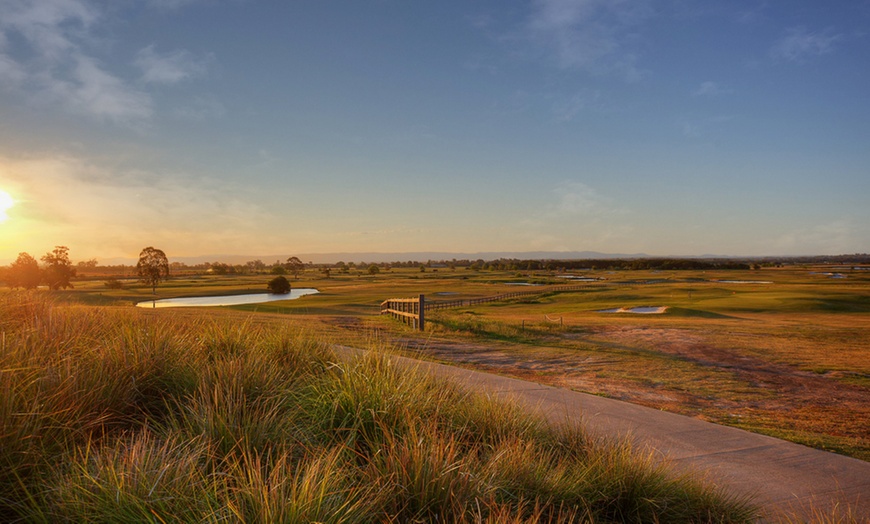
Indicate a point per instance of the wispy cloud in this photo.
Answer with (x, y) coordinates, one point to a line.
(590, 35)
(170, 4)
(699, 127)
(711, 89)
(102, 209)
(799, 44)
(578, 199)
(91, 90)
(578, 217)
(567, 108)
(55, 64)
(202, 108)
(836, 237)
(169, 68)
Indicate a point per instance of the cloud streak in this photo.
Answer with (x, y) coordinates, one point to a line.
(169, 68)
(56, 66)
(711, 89)
(834, 237)
(57, 62)
(589, 35)
(799, 45)
(101, 210)
(576, 199)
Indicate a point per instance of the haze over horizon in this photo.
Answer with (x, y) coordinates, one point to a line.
(668, 127)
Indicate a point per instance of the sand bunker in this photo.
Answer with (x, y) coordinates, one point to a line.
(642, 310)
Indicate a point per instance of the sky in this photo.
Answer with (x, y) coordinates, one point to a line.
(670, 127)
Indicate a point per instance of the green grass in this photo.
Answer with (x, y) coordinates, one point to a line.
(117, 415)
(803, 320)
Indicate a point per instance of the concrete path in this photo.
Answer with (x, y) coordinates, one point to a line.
(782, 477)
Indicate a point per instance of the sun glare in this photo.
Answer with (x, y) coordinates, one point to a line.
(6, 202)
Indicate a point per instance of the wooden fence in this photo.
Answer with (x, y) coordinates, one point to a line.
(412, 311)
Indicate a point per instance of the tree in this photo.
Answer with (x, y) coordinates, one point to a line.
(153, 266)
(24, 272)
(279, 286)
(59, 269)
(255, 265)
(294, 265)
(374, 270)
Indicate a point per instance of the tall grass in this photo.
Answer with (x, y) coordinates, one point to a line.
(111, 415)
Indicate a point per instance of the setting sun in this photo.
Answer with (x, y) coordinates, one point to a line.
(6, 202)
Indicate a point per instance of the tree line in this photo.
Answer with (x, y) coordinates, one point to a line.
(56, 271)
(153, 267)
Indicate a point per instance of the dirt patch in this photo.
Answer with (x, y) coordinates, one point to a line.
(718, 374)
(757, 393)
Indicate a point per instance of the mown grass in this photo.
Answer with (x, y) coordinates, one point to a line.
(121, 415)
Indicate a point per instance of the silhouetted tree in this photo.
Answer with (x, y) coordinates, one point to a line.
(24, 272)
(59, 269)
(294, 265)
(255, 265)
(88, 264)
(279, 285)
(153, 266)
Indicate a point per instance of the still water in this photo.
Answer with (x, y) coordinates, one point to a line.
(227, 300)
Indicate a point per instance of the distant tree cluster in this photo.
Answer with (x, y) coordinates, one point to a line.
(56, 272)
(660, 264)
(513, 264)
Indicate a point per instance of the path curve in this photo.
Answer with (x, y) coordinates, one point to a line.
(782, 477)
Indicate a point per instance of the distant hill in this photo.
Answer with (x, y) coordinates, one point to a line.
(422, 256)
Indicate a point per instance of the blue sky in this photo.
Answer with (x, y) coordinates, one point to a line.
(671, 127)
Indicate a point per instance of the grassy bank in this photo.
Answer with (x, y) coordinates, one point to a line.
(112, 415)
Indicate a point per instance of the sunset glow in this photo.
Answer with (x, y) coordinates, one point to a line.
(6, 202)
(662, 128)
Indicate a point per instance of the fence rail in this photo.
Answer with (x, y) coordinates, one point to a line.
(445, 304)
(412, 311)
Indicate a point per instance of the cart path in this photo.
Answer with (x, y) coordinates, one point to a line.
(782, 477)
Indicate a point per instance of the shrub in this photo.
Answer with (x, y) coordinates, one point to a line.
(279, 285)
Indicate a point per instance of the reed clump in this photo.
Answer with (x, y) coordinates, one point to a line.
(117, 415)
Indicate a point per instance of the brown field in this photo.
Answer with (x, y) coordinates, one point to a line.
(788, 356)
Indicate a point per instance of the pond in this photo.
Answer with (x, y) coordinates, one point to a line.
(227, 300)
(743, 281)
(642, 310)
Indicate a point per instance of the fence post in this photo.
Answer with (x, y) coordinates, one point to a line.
(422, 312)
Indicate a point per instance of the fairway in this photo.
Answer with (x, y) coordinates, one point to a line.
(784, 352)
